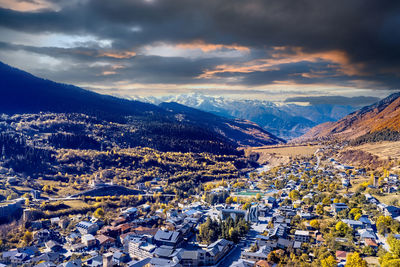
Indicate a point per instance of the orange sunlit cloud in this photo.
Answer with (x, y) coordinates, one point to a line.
(26, 5)
(205, 47)
(112, 70)
(339, 58)
(118, 55)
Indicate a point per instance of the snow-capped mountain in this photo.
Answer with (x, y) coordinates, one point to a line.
(284, 120)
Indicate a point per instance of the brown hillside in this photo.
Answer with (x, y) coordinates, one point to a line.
(382, 115)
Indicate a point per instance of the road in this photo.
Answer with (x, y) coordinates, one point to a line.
(318, 160)
(382, 239)
(231, 257)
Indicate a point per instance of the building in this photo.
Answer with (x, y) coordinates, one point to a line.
(168, 238)
(89, 240)
(261, 254)
(107, 260)
(139, 249)
(9, 209)
(129, 213)
(233, 213)
(219, 249)
(205, 257)
(35, 194)
(105, 241)
(392, 211)
(120, 258)
(252, 214)
(338, 207)
(302, 236)
(87, 227)
(353, 224)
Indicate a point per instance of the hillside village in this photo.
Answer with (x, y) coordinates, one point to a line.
(313, 211)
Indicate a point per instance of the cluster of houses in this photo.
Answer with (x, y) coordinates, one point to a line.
(281, 235)
(131, 240)
(127, 241)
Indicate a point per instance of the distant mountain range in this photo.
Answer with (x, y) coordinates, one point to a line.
(376, 122)
(168, 127)
(284, 120)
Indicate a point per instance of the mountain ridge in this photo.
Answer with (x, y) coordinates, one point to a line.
(286, 120)
(23, 93)
(383, 115)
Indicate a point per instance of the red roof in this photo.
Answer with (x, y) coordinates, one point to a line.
(341, 254)
(370, 242)
(263, 263)
(145, 231)
(124, 227)
(320, 238)
(103, 239)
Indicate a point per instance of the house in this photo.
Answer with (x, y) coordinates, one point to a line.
(129, 213)
(168, 238)
(364, 219)
(89, 240)
(145, 231)
(77, 247)
(392, 211)
(55, 221)
(192, 257)
(73, 238)
(338, 207)
(145, 207)
(242, 263)
(42, 235)
(72, 263)
(341, 255)
(366, 233)
(263, 263)
(165, 252)
(302, 236)
(48, 257)
(120, 258)
(85, 227)
(284, 243)
(35, 194)
(53, 246)
(105, 241)
(63, 223)
(139, 249)
(160, 262)
(261, 254)
(31, 250)
(7, 255)
(107, 259)
(95, 261)
(371, 243)
(279, 231)
(20, 258)
(353, 224)
(219, 249)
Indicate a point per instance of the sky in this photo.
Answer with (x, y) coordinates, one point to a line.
(303, 50)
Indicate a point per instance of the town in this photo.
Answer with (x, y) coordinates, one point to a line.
(313, 211)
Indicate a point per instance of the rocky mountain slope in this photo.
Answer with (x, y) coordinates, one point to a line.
(286, 120)
(377, 122)
(126, 123)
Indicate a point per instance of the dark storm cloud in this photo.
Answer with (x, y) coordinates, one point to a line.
(365, 30)
(136, 69)
(335, 100)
